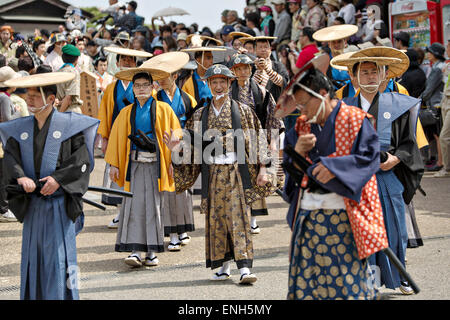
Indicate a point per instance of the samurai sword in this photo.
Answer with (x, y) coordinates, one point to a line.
(112, 191)
(303, 164)
(94, 204)
(401, 269)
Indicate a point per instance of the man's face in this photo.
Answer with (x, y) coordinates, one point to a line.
(242, 71)
(218, 85)
(263, 49)
(182, 44)
(309, 103)
(168, 83)
(207, 59)
(102, 66)
(142, 87)
(337, 47)
(91, 50)
(5, 36)
(61, 28)
(237, 44)
(249, 47)
(448, 48)
(178, 28)
(368, 74)
(293, 7)
(166, 34)
(397, 44)
(230, 18)
(126, 62)
(34, 98)
(279, 8)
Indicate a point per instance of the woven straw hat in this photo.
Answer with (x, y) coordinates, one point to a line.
(128, 52)
(197, 40)
(262, 38)
(169, 62)
(343, 56)
(396, 60)
(197, 49)
(338, 32)
(40, 80)
(236, 34)
(7, 73)
(128, 74)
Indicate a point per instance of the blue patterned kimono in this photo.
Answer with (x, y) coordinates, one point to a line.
(49, 264)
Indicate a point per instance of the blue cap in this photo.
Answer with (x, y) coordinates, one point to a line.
(227, 29)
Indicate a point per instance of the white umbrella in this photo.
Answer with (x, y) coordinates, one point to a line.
(170, 11)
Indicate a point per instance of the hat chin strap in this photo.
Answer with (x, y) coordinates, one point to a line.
(40, 109)
(371, 88)
(322, 104)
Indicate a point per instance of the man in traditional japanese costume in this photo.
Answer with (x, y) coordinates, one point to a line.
(48, 157)
(230, 179)
(140, 163)
(401, 167)
(337, 220)
(117, 96)
(245, 90)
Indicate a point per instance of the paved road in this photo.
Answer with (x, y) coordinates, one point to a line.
(182, 275)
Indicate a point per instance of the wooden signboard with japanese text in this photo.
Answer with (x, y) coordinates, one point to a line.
(88, 93)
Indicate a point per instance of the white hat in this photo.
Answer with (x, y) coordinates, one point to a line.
(7, 73)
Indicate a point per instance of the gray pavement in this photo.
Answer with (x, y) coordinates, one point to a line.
(182, 275)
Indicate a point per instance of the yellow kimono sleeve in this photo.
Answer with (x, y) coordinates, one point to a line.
(188, 87)
(106, 110)
(117, 152)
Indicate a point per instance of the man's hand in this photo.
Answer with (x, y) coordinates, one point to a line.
(114, 173)
(260, 64)
(27, 184)
(390, 163)
(262, 178)
(305, 143)
(104, 145)
(322, 174)
(171, 171)
(172, 142)
(50, 186)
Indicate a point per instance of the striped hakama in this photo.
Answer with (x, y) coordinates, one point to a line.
(177, 212)
(140, 223)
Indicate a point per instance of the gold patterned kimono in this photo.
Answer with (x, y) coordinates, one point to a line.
(227, 227)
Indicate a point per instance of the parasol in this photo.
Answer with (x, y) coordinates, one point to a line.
(170, 11)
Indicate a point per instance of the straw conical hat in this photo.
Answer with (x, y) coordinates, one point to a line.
(264, 38)
(128, 52)
(197, 49)
(169, 62)
(343, 56)
(40, 80)
(197, 40)
(247, 39)
(236, 34)
(396, 60)
(128, 74)
(338, 32)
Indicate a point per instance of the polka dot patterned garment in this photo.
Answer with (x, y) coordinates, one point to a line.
(366, 217)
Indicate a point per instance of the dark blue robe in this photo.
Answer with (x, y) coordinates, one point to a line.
(49, 265)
